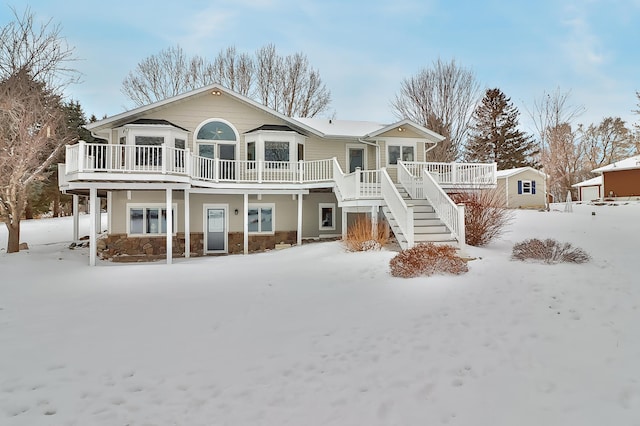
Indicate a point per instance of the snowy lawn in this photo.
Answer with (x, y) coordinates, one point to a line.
(313, 335)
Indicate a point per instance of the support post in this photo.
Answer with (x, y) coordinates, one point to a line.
(344, 223)
(169, 226)
(76, 217)
(462, 232)
(187, 226)
(245, 234)
(93, 206)
(299, 236)
(96, 211)
(374, 221)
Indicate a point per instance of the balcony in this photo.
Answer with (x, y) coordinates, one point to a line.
(149, 163)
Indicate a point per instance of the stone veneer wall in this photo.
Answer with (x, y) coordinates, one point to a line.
(122, 247)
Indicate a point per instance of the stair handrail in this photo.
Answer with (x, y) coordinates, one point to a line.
(450, 213)
(412, 184)
(338, 178)
(401, 211)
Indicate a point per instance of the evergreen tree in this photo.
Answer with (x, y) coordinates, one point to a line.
(494, 135)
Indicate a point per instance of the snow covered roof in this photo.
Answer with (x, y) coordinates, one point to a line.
(589, 182)
(626, 164)
(363, 129)
(341, 128)
(510, 172)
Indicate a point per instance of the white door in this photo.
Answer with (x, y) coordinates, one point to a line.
(590, 193)
(215, 228)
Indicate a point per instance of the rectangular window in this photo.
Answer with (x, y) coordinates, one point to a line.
(261, 219)
(327, 213)
(400, 152)
(276, 151)
(526, 187)
(251, 151)
(149, 220)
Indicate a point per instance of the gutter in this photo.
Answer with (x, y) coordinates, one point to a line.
(375, 144)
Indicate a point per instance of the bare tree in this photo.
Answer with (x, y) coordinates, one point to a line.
(563, 160)
(234, 71)
(553, 118)
(166, 74)
(286, 84)
(33, 68)
(40, 49)
(441, 98)
(606, 143)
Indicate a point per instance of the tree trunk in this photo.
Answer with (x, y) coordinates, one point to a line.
(13, 245)
(56, 204)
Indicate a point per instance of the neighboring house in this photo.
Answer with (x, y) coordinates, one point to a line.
(621, 179)
(222, 173)
(590, 189)
(523, 187)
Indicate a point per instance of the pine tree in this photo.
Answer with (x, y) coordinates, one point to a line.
(494, 135)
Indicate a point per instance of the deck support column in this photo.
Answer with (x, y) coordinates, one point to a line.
(245, 221)
(187, 226)
(94, 202)
(299, 236)
(344, 223)
(169, 233)
(76, 217)
(374, 221)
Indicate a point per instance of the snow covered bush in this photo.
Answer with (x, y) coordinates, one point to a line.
(548, 251)
(485, 215)
(360, 236)
(426, 260)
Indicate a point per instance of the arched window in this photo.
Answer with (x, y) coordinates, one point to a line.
(217, 138)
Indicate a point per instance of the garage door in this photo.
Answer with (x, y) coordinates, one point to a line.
(590, 193)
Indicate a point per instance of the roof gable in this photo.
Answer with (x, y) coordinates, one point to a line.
(512, 172)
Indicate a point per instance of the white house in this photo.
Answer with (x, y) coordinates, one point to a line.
(222, 174)
(523, 187)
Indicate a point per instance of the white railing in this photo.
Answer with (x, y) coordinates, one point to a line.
(316, 170)
(411, 182)
(456, 174)
(451, 214)
(402, 213)
(89, 157)
(368, 183)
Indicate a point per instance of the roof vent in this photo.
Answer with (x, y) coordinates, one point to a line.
(330, 121)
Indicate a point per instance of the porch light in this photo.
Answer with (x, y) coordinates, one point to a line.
(400, 129)
(216, 92)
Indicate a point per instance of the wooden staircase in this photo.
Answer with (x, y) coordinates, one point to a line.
(427, 227)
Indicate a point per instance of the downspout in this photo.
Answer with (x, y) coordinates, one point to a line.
(375, 144)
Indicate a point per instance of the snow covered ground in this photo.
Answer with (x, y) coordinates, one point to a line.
(313, 335)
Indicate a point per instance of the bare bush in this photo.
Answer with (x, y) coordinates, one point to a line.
(485, 215)
(548, 251)
(360, 236)
(426, 260)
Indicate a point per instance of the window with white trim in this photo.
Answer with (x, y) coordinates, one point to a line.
(276, 151)
(327, 216)
(149, 219)
(397, 152)
(527, 187)
(261, 218)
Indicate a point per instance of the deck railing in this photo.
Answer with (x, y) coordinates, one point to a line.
(451, 214)
(402, 213)
(456, 174)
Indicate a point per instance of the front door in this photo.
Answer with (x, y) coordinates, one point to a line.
(215, 227)
(356, 159)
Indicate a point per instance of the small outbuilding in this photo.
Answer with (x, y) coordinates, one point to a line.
(523, 187)
(590, 189)
(621, 179)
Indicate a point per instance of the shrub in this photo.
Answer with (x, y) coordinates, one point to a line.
(548, 251)
(360, 238)
(426, 260)
(485, 215)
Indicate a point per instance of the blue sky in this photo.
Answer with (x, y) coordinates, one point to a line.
(364, 49)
